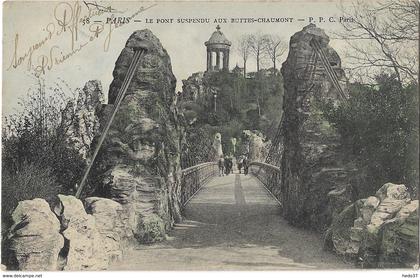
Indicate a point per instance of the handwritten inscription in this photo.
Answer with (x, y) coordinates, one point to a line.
(72, 24)
(76, 25)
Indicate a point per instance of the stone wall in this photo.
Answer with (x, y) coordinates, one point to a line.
(311, 163)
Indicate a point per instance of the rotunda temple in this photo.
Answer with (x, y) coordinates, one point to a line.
(218, 47)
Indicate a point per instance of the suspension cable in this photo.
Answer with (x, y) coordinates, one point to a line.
(308, 76)
(126, 83)
(310, 71)
(326, 64)
(315, 45)
(330, 72)
(138, 53)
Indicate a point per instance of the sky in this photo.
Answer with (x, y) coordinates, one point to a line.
(35, 29)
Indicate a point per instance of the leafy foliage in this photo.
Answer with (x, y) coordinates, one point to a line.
(32, 181)
(36, 159)
(379, 129)
(151, 229)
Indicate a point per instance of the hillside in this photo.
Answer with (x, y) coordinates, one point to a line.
(229, 103)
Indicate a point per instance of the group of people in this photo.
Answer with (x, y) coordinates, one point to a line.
(243, 162)
(226, 165)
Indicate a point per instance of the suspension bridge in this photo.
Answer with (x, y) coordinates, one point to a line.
(231, 223)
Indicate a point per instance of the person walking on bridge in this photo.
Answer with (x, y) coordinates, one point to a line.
(240, 163)
(228, 165)
(245, 164)
(221, 164)
(231, 164)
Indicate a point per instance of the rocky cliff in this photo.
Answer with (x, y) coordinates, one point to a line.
(311, 165)
(194, 87)
(81, 120)
(379, 231)
(139, 165)
(254, 145)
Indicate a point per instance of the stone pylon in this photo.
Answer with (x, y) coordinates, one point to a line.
(310, 162)
(139, 165)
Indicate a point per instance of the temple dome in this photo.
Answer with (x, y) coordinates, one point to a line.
(218, 38)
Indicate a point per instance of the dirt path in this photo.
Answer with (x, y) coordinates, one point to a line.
(233, 224)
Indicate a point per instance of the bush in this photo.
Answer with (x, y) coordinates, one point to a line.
(36, 159)
(151, 229)
(29, 182)
(37, 135)
(379, 130)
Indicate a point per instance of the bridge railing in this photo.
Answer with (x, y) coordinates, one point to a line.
(269, 175)
(195, 177)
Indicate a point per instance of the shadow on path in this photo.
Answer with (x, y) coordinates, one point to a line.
(233, 224)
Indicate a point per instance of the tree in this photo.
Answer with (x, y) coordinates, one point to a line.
(382, 36)
(37, 135)
(274, 47)
(256, 44)
(379, 131)
(382, 117)
(243, 48)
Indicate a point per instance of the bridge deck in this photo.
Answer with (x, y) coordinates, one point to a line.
(233, 224)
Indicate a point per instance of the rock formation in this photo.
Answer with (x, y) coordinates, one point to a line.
(82, 119)
(199, 88)
(400, 239)
(34, 241)
(193, 87)
(111, 224)
(217, 147)
(68, 238)
(197, 95)
(138, 168)
(254, 145)
(310, 163)
(379, 231)
(139, 165)
(84, 246)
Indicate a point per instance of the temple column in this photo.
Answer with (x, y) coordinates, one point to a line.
(222, 61)
(209, 60)
(217, 60)
(227, 59)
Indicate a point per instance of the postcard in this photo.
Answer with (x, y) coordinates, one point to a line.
(210, 135)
